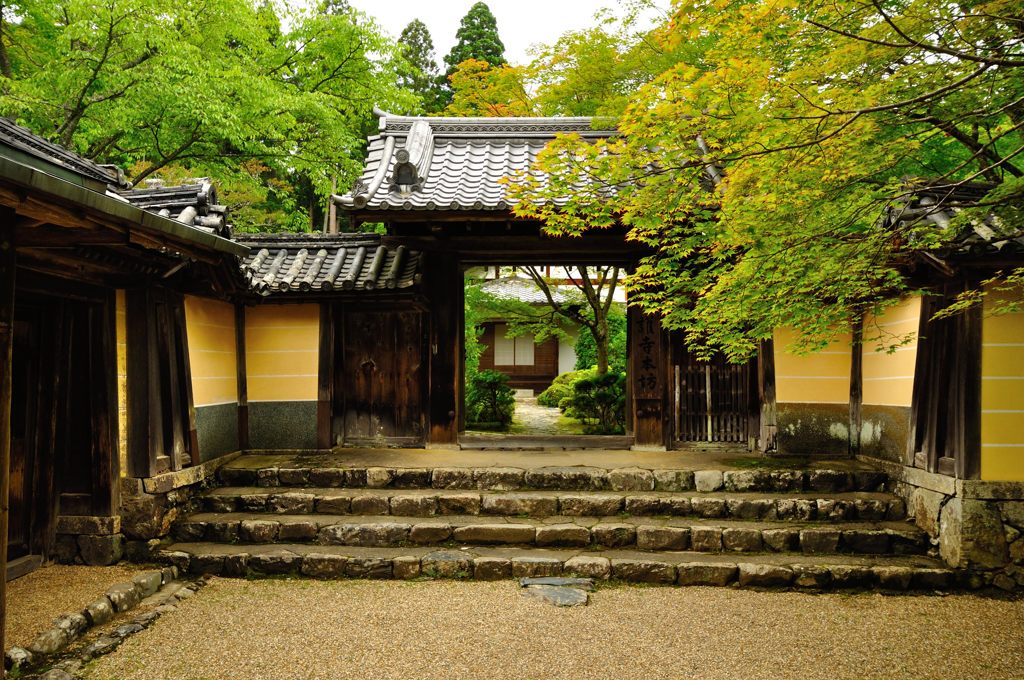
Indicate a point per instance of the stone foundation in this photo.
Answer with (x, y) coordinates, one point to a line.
(150, 507)
(88, 539)
(977, 525)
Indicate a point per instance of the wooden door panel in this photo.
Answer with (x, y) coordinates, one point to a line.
(715, 399)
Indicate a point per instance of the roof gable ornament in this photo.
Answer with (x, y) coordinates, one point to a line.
(412, 161)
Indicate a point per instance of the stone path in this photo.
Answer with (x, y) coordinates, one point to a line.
(533, 419)
(349, 629)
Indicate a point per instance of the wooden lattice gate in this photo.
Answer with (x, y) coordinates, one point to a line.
(716, 401)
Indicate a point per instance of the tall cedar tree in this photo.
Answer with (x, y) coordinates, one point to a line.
(477, 39)
(423, 78)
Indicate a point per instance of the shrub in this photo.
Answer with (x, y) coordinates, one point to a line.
(599, 402)
(561, 387)
(489, 399)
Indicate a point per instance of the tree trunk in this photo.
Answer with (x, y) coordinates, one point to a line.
(601, 341)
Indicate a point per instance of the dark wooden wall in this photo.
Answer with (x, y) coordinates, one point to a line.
(537, 376)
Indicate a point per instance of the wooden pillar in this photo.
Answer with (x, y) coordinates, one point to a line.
(7, 265)
(325, 376)
(443, 286)
(242, 379)
(767, 441)
(856, 384)
(648, 371)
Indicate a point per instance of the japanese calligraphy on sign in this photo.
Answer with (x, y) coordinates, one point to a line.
(647, 355)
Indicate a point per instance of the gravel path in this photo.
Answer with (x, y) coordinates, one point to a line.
(359, 629)
(36, 599)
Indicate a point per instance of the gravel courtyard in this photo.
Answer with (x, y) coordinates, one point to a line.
(359, 629)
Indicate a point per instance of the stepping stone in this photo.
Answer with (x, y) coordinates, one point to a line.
(560, 581)
(558, 596)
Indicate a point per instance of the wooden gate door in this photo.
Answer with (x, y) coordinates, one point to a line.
(24, 402)
(380, 377)
(716, 401)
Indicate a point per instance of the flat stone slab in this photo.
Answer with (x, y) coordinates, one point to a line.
(560, 581)
(558, 596)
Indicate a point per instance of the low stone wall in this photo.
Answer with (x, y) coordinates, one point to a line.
(813, 429)
(977, 525)
(87, 539)
(149, 507)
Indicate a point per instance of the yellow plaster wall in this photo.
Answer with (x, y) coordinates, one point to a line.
(121, 332)
(211, 350)
(281, 352)
(819, 378)
(888, 378)
(1002, 396)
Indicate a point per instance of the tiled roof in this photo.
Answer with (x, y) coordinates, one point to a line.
(524, 290)
(449, 164)
(342, 262)
(22, 139)
(193, 203)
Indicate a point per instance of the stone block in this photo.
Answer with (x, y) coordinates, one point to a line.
(643, 571)
(459, 504)
(49, 642)
(971, 534)
(236, 565)
(646, 506)
(851, 576)
(378, 477)
(410, 478)
(492, 568)
(557, 596)
(799, 509)
(867, 541)
(765, 575)
(871, 510)
(589, 505)
(99, 611)
(498, 478)
(124, 596)
(706, 574)
(354, 478)
(145, 516)
(706, 539)
(750, 508)
(299, 530)
(567, 478)
(413, 505)
(101, 551)
(819, 541)
(222, 532)
(73, 624)
(258, 531)
(613, 535)
(785, 480)
(868, 480)
(203, 563)
(334, 505)
(181, 560)
(662, 538)
(931, 579)
(141, 551)
(495, 534)
(406, 567)
(673, 480)
(368, 567)
(267, 477)
(427, 533)
(746, 480)
(563, 534)
(376, 535)
(588, 566)
(811, 576)
(276, 562)
(897, 510)
(781, 540)
(741, 540)
(679, 506)
(447, 564)
(828, 481)
(190, 531)
(88, 524)
(17, 658)
(452, 478)
(293, 476)
(220, 503)
(253, 502)
(908, 542)
(370, 504)
(148, 582)
(65, 549)
(328, 477)
(325, 566)
(833, 510)
(292, 503)
(517, 504)
(707, 481)
(708, 508)
(631, 479)
(536, 566)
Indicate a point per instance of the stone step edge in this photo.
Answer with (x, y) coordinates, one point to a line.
(580, 478)
(453, 564)
(568, 504)
(419, 531)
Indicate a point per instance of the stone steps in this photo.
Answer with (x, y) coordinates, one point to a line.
(839, 507)
(828, 572)
(648, 533)
(331, 472)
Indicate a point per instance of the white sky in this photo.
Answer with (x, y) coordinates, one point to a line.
(521, 23)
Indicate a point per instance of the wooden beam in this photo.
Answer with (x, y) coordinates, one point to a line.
(856, 384)
(8, 261)
(243, 382)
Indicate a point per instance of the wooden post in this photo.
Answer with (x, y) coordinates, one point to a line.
(856, 384)
(7, 265)
(325, 377)
(443, 284)
(648, 371)
(768, 441)
(243, 381)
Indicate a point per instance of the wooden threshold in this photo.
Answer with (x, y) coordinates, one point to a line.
(23, 565)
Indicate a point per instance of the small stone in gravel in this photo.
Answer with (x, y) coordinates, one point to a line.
(491, 568)
(126, 629)
(589, 566)
(559, 597)
(124, 596)
(101, 646)
(72, 624)
(17, 657)
(99, 612)
(56, 674)
(49, 641)
(561, 581)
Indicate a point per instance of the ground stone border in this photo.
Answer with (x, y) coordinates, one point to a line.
(118, 599)
(466, 565)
